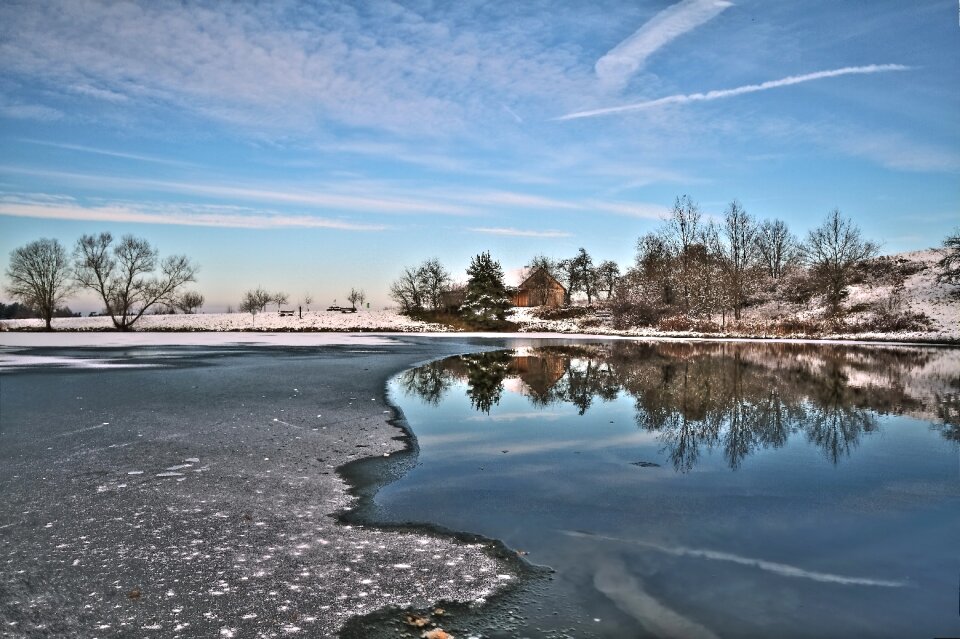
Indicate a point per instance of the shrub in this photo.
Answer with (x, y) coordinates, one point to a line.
(630, 314)
(685, 323)
(798, 287)
(883, 321)
(561, 312)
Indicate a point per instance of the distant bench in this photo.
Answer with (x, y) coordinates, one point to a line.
(285, 313)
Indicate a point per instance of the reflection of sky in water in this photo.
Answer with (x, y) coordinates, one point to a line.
(729, 491)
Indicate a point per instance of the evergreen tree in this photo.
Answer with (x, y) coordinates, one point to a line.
(486, 300)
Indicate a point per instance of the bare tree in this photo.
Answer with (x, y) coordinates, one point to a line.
(356, 296)
(778, 247)
(407, 290)
(434, 280)
(123, 275)
(833, 251)
(950, 262)
(737, 251)
(307, 300)
(683, 233)
(607, 275)
(280, 298)
(582, 275)
(654, 263)
(421, 286)
(566, 271)
(189, 302)
(255, 301)
(39, 276)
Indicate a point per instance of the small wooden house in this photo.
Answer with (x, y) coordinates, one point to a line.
(539, 289)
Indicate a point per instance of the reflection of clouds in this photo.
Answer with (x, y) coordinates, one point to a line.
(449, 438)
(539, 447)
(624, 590)
(784, 570)
(515, 416)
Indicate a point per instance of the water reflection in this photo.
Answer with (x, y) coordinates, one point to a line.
(736, 398)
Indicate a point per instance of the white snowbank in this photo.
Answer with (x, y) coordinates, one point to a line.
(312, 321)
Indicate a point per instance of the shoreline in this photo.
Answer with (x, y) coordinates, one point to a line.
(30, 338)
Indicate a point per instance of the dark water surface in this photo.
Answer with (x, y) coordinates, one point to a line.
(701, 489)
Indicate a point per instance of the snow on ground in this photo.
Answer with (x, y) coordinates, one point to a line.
(921, 294)
(363, 320)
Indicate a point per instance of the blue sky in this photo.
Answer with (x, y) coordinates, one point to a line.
(314, 147)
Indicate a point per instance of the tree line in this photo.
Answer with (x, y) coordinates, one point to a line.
(482, 301)
(128, 276)
(692, 266)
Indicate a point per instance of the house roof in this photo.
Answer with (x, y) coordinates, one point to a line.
(523, 284)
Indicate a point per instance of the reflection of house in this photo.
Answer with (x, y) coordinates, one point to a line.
(539, 289)
(539, 374)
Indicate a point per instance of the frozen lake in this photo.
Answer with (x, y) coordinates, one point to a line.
(698, 489)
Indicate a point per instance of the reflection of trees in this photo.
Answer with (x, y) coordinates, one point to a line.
(718, 401)
(586, 380)
(834, 421)
(948, 410)
(736, 398)
(430, 382)
(485, 373)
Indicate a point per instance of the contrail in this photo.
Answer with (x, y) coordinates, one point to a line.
(729, 93)
(616, 67)
(784, 570)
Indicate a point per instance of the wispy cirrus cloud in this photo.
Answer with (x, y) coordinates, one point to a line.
(521, 200)
(512, 232)
(643, 210)
(60, 208)
(383, 203)
(39, 112)
(409, 70)
(110, 153)
(615, 68)
(742, 90)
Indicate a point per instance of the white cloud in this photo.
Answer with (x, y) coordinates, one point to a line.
(179, 215)
(428, 73)
(895, 151)
(96, 92)
(110, 153)
(30, 112)
(644, 210)
(522, 200)
(729, 93)
(615, 68)
(384, 202)
(511, 232)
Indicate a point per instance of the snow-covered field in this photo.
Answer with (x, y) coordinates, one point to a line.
(362, 320)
